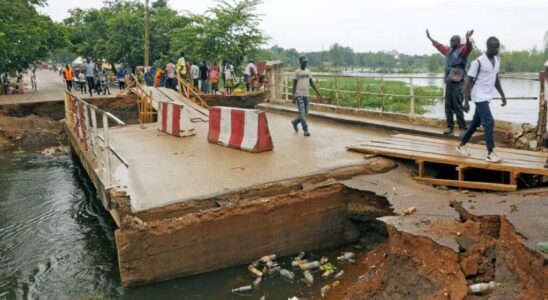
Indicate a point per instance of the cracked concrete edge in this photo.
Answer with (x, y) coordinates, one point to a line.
(432, 204)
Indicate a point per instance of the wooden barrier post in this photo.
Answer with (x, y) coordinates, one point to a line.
(411, 97)
(382, 93)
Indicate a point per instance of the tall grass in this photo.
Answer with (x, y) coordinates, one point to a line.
(400, 104)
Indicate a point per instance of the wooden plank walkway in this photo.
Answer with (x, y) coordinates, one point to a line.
(430, 150)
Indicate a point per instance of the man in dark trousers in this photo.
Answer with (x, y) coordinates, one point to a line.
(456, 57)
(483, 77)
(301, 86)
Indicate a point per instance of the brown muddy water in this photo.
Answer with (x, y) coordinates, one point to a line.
(57, 242)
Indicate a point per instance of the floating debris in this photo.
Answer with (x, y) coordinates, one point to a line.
(253, 269)
(257, 282)
(310, 265)
(308, 278)
(347, 256)
(243, 289)
(339, 275)
(267, 258)
(287, 274)
(325, 290)
(327, 273)
(297, 262)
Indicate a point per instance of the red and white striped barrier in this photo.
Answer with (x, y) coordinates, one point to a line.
(173, 119)
(245, 129)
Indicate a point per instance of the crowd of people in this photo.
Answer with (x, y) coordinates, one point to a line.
(87, 77)
(205, 77)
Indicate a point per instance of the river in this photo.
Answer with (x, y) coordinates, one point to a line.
(57, 242)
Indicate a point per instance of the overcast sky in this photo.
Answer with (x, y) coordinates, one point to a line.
(373, 25)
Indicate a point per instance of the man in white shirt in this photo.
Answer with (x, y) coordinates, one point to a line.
(195, 73)
(301, 86)
(483, 76)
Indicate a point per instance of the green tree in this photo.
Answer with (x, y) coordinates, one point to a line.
(25, 36)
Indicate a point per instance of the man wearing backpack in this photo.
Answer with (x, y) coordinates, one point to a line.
(456, 57)
(483, 76)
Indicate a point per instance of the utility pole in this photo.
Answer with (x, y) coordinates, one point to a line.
(146, 34)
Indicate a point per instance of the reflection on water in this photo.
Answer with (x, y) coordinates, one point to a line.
(57, 242)
(521, 111)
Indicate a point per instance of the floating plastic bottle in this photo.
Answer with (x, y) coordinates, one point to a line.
(297, 262)
(327, 273)
(310, 265)
(243, 289)
(339, 275)
(254, 271)
(287, 274)
(347, 256)
(268, 258)
(325, 290)
(308, 278)
(482, 287)
(257, 282)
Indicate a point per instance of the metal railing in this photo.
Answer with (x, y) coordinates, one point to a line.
(358, 95)
(81, 119)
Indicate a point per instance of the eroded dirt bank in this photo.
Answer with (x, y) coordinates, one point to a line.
(33, 126)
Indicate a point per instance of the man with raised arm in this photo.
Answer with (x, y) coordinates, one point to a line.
(483, 76)
(456, 55)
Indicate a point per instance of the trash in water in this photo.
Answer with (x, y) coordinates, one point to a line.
(293, 298)
(268, 258)
(327, 267)
(324, 260)
(287, 274)
(327, 273)
(301, 255)
(310, 265)
(308, 278)
(409, 210)
(325, 290)
(297, 262)
(346, 256)
(481, 287)
(274, 270)
(257, 282)
(338, 275)
(243, 289)
(336, 283)
(254, 271)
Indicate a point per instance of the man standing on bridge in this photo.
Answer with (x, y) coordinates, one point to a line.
(456, 56)
(89, 70)
(483, 75)
(301, 86)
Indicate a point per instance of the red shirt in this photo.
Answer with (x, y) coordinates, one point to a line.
(465, 49)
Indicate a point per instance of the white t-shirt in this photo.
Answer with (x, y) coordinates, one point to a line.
(485, 81)
(195, 72)
(248, 69)
(303, 82)
(229, 71)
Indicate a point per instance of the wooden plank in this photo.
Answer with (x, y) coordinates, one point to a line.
(469, 184)
(475, 146)
(450, 150)
(458, 159)
(436, 158)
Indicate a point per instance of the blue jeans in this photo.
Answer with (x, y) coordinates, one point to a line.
(482, 115)
(302, 105)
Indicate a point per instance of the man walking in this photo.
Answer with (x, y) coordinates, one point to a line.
(170, 75)
(301, 86)
(67, 73)
(483, 75)
(456, 57)
(89, 70)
